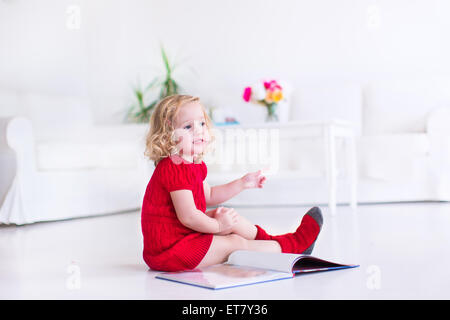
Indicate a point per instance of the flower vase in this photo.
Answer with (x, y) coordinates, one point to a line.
(272, 113)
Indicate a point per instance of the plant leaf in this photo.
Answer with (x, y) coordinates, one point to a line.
(166, 61)
(151, 105)
(151, 84)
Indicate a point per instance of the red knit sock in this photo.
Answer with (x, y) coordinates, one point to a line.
(262, 234)
(303, 239)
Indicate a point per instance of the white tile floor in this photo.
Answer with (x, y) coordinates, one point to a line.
(403, 250)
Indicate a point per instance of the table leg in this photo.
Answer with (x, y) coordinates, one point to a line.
(352, 170)
(330, 152)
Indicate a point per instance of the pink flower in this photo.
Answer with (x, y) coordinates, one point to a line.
(247, 94)
(272, 85)
(276, 87)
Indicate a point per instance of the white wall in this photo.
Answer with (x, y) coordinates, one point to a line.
(222, 46)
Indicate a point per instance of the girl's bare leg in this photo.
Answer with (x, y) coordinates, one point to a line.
(244, 228)
(222, 246)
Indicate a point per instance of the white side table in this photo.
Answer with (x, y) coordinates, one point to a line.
(329, 131)
(333, 130)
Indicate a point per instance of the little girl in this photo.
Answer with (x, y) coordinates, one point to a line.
(178, 232)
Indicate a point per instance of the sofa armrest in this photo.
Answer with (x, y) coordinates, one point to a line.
(16, 134)
(438, 132)
(437, 122)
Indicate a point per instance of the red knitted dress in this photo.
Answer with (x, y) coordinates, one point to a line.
(168, 244)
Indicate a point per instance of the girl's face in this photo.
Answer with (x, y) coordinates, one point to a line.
(191, 132)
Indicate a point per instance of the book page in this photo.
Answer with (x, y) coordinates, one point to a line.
(266, 260)
(222, 276)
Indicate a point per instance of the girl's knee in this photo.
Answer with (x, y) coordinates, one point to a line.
(238, 242)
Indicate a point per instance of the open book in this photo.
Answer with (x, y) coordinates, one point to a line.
(250, 267)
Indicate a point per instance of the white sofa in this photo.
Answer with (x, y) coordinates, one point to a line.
(56, 164)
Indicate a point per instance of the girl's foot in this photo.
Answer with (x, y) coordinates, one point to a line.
(303, 239)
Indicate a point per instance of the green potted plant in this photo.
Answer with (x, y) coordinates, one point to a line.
(140, 111)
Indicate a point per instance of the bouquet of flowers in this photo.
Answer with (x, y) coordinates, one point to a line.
(266, 93)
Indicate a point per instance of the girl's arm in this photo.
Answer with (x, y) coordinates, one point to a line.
(219, 194)
(191, 217)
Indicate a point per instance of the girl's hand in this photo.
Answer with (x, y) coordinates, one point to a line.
(226, 217)
(253, 180)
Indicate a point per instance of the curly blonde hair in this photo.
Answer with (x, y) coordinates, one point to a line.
(159, 142)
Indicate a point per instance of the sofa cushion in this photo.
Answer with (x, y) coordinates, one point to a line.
(393, 157)
(56, 115)
(438, 130)
(113, 146)
(74, 156)
(402, 105)
(438, 122)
